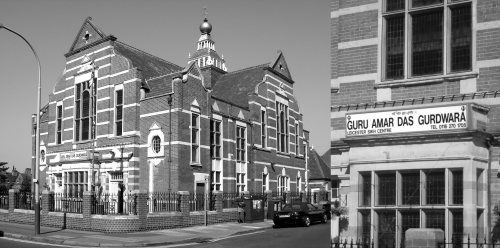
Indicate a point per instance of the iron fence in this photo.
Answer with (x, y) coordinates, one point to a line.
(196, 202)
(229, 200)
(456, 241)
(345, 243)
(68, 203)
(164, 202)
(4, 199)
(24, 200)
(114, 204)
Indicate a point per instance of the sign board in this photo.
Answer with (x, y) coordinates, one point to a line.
(409, 120)
(74, 156)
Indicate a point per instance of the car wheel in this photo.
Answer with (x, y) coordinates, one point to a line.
(325, 219)
(307, 221)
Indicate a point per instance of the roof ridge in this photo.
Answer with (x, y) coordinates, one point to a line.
(139, 50)
(248, 68)
(164, 75)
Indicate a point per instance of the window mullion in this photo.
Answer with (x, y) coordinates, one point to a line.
(446, 40)
(407, 37)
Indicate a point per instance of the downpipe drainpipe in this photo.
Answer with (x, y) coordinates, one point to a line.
(488, 192)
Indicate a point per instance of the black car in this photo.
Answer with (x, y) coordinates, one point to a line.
(299, 214)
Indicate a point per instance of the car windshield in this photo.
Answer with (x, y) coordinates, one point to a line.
(291, 208)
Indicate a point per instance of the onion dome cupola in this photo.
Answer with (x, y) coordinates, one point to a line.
(205, 54)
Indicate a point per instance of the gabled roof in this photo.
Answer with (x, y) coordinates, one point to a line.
(235, 87)
(319, 170)
(94, 34)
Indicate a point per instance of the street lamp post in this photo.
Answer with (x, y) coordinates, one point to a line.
(37, 140)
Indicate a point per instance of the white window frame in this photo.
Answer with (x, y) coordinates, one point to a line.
(244, 148)
(218, 118)
(263, 128)
(196, 143)
(59, 135)
(283, 183)
(282, 103)
(115, 125)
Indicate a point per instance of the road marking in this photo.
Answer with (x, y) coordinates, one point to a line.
(39, 243)
(253, 227)
(234, 236)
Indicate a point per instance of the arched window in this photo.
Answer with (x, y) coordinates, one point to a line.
(85, 111)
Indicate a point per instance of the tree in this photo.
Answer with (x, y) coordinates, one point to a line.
(3, 172)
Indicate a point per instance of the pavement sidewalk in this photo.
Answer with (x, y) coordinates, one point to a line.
(196, 234)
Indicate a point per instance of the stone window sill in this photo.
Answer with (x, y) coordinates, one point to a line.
(426, 79)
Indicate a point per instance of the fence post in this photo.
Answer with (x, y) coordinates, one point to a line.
(184, 204)
(218, 201)
(142, 207)
(87, 209)
(47, 204)
(12, 200)
(303, 196)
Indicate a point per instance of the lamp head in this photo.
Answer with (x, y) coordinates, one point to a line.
(1, 25)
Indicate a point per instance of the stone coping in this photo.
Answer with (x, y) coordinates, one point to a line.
(114, 217)
(226, 210)
(24, 211)
(161, 214)
(5, 211)
(61, 214)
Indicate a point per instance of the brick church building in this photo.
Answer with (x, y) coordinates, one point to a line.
(120, 118)
(415, 108)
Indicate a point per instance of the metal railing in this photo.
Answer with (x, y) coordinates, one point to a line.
(68, 203)
(229, 200)
(196, 202)
(164, 202)
(23, 200)
(4, 200)
(114, 204)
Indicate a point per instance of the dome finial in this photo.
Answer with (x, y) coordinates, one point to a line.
(205, 27)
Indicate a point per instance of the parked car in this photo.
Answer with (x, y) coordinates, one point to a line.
(299, 214)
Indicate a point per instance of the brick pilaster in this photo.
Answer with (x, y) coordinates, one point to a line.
(47, 202)
(218, 201)
(87, 209)
(142, 207)
(12, 199)
(184, 203)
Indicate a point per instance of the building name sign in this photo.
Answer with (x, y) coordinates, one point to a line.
(403, 121)
(74, 156)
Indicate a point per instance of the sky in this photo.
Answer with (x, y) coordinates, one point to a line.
(247, 33)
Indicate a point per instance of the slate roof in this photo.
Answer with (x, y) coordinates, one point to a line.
(235, 87)
(317, 167)
(150, 65)
(159, 85)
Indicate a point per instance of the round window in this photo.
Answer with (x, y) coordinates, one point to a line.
(156, 144)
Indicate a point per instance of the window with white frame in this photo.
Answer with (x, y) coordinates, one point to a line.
(195, 137)
(283, 184)
(85, 109)
(119, 111)
(296, 138)
(263, 128)
(240, 182)
(299, 183)
(215, 139)
(282, 126)
(75, 183)
(216, 180)
(59, 124)
(428, 28)
(240, 144)
(156, 144)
